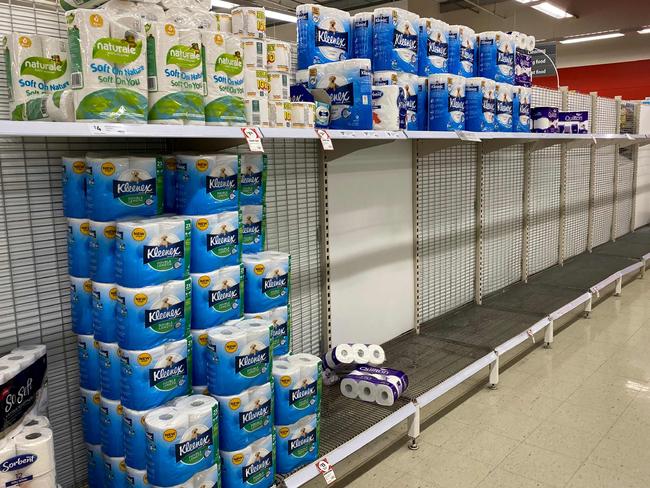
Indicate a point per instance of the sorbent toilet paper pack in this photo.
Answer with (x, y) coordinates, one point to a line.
(324, 35)
(268, 283)
(81, 293)
(216, 241)
(88, 354)
(109, 370)
(280, 318)
(395, 40)
(101, 248)
(103, 315)
(297, 387)
(217, 296)
(245, 417)
(110, 412)
(78, 247)
(252, 466)
(73, 182)
(90, 420)
(297, 443)
(135, 437)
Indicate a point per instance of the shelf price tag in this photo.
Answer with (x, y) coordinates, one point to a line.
(466, 136)
(531, 335)
(327, 470)
(107, 129)
(253, 138)
(325, 140)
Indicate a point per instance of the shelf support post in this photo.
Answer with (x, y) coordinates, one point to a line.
(549, 335)
(563, 184)
(414, 428)
(326, 312)
(479, 215)
(494, 373)
(525, 214)
(615, 203)
(592, 173)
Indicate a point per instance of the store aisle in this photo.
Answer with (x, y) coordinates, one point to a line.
(575, 416)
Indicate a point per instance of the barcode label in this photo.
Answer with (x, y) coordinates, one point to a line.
(256, 118)
(44, 107)
(152, 83)
(76, 80)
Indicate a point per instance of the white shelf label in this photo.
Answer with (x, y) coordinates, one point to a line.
(253, 138)
(468, 136)
(325, 140)
(327, 470)
(108, 129)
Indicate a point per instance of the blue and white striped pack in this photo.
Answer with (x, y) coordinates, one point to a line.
(109, 370)
(104, 301)
(245, 417)
(154, 376)
(362, 35)
(280, 318)
(252, 179)
(239, 357)
(480, 104)
(74, 186)
(504, 109)
(95, 465)
(297, 444)
(199, 358)
(446, 102)
(136, 478)
(101, 248)
(169, 179)
(118, 187)
(433, 45)
(253, 466)
(497, 56)
(217, 296)
(349, 86)
(90, 417)
(324, 35)
(395, 40)
(253, 228)
(152, 251)
(521, 109)
(78, 251)
(298, 385)
(216, 241)
(268, 280)
(110, 413)
(153, 315)
(81, 305)
(206, 184)
(88, 353)
(135, 438)
(114, 471)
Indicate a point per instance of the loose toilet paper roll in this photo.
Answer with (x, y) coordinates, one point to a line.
(395, 44)
(267, 280)
(339, 355)
(446, 102)
(433, 44)
(253, 219)
(114, 471)
(101, 250)
(255, 54)
(257, 111)
(103, 315)
(297, 444)
(252, 179)
(135, 437)
(303, 115)
(388, 107)
(480, 104)
(215, 241)
(109, 370)
(504, 109)
(256, 83)
(249, 22)
(362, 35)
(280, 318)
(280, 114)
(8, 371)
(110, 413)
(255, 462)
(217, 296)
(245, 417)
(90, 416)
(349, 387)
(73, 180)
(360, 353)
(278, 86)
(376, 354)
(81, 304)
(78, 247)
(278, 56)
(224, 22)
(88, 353)
(324, 35)
(40, 443)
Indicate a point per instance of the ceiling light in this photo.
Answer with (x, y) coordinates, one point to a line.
(525, 1)
(269, 13)
(575, 40)
(222, 4)
(644, 31)
(552, 10)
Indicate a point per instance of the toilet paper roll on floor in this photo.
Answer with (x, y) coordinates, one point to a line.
(88, 354)
(101, 250)
(78, 247)
(81, 304)
(249, 22)
(90, 416)
(278, 56)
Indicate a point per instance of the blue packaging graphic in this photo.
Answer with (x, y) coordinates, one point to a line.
(423, 103)
(123, 186)
(434, 47)
(216, 241)
(280, 319)
(454, 40)
(521, 109)
(253, 466)
(504, 109)
(95, 465)
(199, 358)
(480, 104)
(298, 387)
(114, 471)
(103, 314)
(153, 315)
(545, 119)
(169, 179)
(395, 40)
(239, 357)
(411, 97)
(207, 184)
(362, 35)
(268, 280)
(136, 478)
(152, 251)
(90, 417)
(135, 438)
(349, 86)
(109, 370)
(78, 252)
(324, 35)
(87, 350)
(81, 294)
(462, 50)
(297, 444)
(217, 296)
(154, 376)
(497, 56)
(252, 179)
(253, 228)
(101, 249)
(110, 413)
(446, 102)
(74, 187)
(245, 417)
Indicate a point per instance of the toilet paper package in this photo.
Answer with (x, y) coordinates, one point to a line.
(255, 54)
(253, 221)
(349, 85)
(388, 107)
(154, 376)
(87, 352)
(104, 301)
(101, 248)
(278, 86)
(252, 466)
(523, 59)
(90, 417)
(73, 182)
(245, 417)
(280, 114)
(572, 122)
(257, 111)
(78, 240)
(136, 478)
(207, 184)
(224, 78)
(152, 251)
(446, 102)
(114, 471)
(362, 35)
(110, 412)
(545, 119)
(153, 315)
(412, 97)
(109, 370)
(521, 109)
(497, 56)
(123, 186)
(256, 84)
(169, 183)
(95, 465)
(303, 115)
(297, 443)
(462, 50)
(33, 464)
(302, 78)
(395, 40)
(60, 106)
(135, 437)
(81, 292)
(216, 241)
(268, 280)
(224, 22)
(199, 358)
(504, 109)
(280, 319)
(208, 478)
(249, 22)
(278, 57)
(480, 104)
(372, 384)
(217, 296)
(238, 357)
(324, 35)
(297, 387)
(433, 45)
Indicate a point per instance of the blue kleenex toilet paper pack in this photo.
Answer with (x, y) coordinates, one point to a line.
(103, 314)
(109, 370)
(253, 466)
(199, 358)
(118, 187)
(497, 56)
(462, 50)
(297, 444)
(521, 109)
(110, 412)
(78, 251)
(414, 95)
(362, 35)
(395, 40)
(252, 179)
(169, 178)
(268, 281)
(239, 356)
(280, 318)
(324, 35)
(152, 377)
(216, 241)
(504, 109)
(74, 186)
(446, 102)
(298, 387)
(480, 104)
(81, 294)
(136, 478)
(253, 223)
(433, 47)
(153, 315)
(87, 351)
(135, 437)
(114, 471)
(245, 417)
(207, 184)
(101, 247)
(217, 296)
(152, 251)
(95, 464)
(90, 420)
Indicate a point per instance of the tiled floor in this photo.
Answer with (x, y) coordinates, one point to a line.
(575, 416)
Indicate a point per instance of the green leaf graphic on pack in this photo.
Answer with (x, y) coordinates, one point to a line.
(303, 445)
(163, 320)
(221, 187)
(118, 51)
(250, 184)
(135, 193)
(257, 418)
(182, 105)
(164, 257)
(168, 377)
(226, 109)
(304, 396)
(229, 64)
(254, 364)
(44, 68)
(113, 104)
(258, 470)
(275, 286)
(56, 98)
(224, 244)
(185, 57)
(224, 300)
(194, 450)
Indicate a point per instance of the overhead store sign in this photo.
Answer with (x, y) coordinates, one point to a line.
(541, 64)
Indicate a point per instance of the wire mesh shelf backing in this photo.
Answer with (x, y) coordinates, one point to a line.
(446, 191)
(603, 206)
(626, 169)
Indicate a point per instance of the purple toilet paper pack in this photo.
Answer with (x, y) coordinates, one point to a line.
(573, 122)
(545, 119)
(372, 384)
